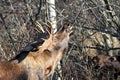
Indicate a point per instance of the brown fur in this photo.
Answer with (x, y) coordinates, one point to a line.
(39, 64)
(107, 63)
(100, 60)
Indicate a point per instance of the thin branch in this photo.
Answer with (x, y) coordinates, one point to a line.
(8, 32)
(104, 31)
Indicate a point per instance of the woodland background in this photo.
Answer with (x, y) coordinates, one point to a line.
(97, 31)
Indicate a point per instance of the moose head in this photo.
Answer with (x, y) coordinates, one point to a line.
(37, 64)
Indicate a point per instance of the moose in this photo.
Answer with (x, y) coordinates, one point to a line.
(107, 63)
(38, 64)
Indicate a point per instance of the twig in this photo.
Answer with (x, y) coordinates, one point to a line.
(8, 32)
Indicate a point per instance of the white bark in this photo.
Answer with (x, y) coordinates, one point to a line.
(52, 14)
(52, 19)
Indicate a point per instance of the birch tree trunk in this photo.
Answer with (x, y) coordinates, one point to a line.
(52, 18)
(52, 14)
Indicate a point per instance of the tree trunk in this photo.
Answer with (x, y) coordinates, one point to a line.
(52, 18)
(52, 14)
